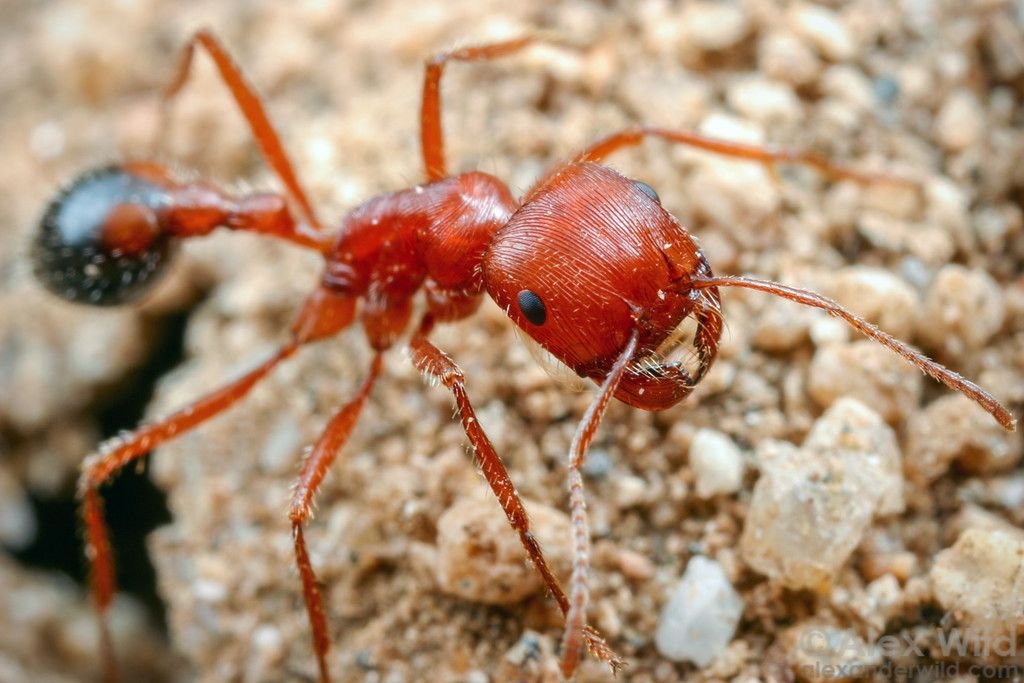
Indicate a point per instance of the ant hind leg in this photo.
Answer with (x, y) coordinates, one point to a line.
(115, 454)
(322, 316)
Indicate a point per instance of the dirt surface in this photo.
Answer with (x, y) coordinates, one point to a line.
(929, 91)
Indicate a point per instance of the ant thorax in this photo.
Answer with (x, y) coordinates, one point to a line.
(430, 236)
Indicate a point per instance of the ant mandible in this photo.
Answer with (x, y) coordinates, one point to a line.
(589, 264)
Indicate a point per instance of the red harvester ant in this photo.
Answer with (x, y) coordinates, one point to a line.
(588, 264)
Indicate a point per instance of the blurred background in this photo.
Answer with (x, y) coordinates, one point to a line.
(928, 527)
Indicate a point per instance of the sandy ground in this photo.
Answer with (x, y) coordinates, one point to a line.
(932, 91)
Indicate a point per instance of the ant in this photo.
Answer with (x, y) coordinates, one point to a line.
(588, 263)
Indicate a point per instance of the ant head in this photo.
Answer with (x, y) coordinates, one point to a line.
(100, 240)
(588, 258)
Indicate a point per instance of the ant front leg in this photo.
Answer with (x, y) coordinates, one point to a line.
(314, 469)
(579, 594)
(431, 128)
(434, 363)
(252, 109)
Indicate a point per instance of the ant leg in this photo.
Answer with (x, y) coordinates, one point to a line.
(435, 364)
(314, 469)
(579, 594)
(120, 451)
(251, 107)
(323, 314)
(765, 155)
(922, 362)
(431, 133)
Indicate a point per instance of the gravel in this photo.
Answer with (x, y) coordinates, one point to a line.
(928, 91)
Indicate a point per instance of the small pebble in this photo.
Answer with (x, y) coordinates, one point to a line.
(843, 208)
(878, 296)
(782, 55)
(47, 140)
(812, 505)
(824, 29)
(981, 579)
(896, 200)
(266, 654)
(782, 326)
(972, 516)
(282, 446)
(917, 82)
(947, 205)
(993, 225)
(701, 615)
(960, 122)
(805, 518)
(599, 464)
(1008, 491)
(825, 331)
(954, 428)
(630, 491)
(480, 559)
(17, 519)
(730, 194)
(824, 653)
(727, 193)
(869, 372)
(634, 566)
(856, 431)
(206, 590)
(963, 309)
(716, 463)
(713, 26)
(886, 90)
(766, 101)
(900, 564)
(848, 85)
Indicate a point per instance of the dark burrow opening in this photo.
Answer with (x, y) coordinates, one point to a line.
(134, 505)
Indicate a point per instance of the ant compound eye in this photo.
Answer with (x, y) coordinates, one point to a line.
(532, 307)
(100, 241)
(647, 190)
